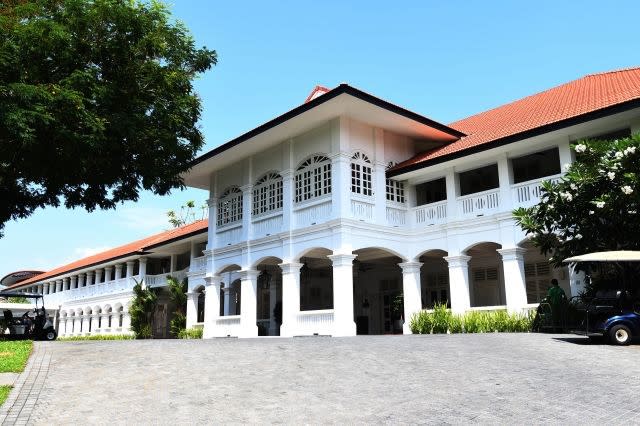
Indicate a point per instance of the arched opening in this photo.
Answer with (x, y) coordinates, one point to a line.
(201, 304)
(87, 314)
(538, 273)
(486, 280)
(269, 297)
(316, 280)
(434, 279)
(107, 318)
(230, 290)
(377, 284)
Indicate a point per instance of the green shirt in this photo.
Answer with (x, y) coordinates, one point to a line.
(556, 295)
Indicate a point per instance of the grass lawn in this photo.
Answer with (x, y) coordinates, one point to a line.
(14, 355)
(4, 393)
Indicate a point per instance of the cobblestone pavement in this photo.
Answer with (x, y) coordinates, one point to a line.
(485, 378)
(18, 407)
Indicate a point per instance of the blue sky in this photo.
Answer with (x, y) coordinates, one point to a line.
(445, 60)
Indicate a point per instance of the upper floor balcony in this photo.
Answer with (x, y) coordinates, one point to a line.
(295, 201)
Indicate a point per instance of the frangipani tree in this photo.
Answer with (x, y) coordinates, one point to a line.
(594, 207)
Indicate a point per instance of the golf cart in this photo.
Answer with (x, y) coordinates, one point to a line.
(612, 314)
(25, 320)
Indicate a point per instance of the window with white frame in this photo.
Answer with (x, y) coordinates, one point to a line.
(230, 206)
(313, 178)
(267, 194)
(361, 175)
(395, 191)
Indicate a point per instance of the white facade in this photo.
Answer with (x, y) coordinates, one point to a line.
(307, 235)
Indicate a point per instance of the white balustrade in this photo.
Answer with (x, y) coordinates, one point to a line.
(480, 203)
(362, 210)
(267, 225)
(430, 214)
(526, 194)
(199, 264)
(396, 216)
(227, 326)
(310, 214)
(318, 322)
(229, 236)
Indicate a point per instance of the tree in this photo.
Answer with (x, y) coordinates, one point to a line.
(141, 310)
(178, 291)
(96, 103)
(594, 207)
(187, 214)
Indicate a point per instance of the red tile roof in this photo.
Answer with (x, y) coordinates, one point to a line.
(570, 100)
(317, 91)
(136, 247)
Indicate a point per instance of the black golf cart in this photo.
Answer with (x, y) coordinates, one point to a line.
(25, 321)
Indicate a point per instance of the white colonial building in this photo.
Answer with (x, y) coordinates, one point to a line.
(348, 214)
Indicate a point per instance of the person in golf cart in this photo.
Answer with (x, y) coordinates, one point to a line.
(612, 310)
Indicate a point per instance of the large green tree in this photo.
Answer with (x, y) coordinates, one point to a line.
(96, 103)
(594, 207)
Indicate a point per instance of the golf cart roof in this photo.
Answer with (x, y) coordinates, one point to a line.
(18, 294)
(606, 256)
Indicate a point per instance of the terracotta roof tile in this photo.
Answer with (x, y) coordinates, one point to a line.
(136, 247)
(587, 94)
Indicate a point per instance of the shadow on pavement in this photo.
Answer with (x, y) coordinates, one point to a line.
(587, 341)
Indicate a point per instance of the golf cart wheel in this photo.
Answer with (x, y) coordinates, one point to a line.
(620, 335)
(50, 335)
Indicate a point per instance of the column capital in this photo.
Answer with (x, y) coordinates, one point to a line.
(131, 262)
(213, 280)
(460, 260)
(290, 268)
(287, 173)
(410, 267)
(108, 268)
(143, 260)
(512, 253)
(342, 259)
(118, 266)
(249, 274)
(212, 202)
(246, 188)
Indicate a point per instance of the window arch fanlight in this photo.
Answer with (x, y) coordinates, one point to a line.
(361, 174)
(395, 189)
(230, 206)
(313, 178)
(267, 194)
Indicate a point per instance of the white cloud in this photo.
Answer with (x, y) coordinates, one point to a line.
(81, 252)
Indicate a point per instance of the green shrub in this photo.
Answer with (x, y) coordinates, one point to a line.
(178, 323)
(190, 333)
(99, 337)
(442, 320)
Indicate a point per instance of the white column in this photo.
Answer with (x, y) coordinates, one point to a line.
(213, 217)
(129, 272)
(126, 322)
(504, 180)
(173, 263)
(459, 282)
(566, 154)
(412, 292)
(58, 286)
(45, 287)
(98, 279)
(290, 297)
(104, 322)
(342, 294)
(211, 305)
(247, 201)
(142, 270)
(248, 307)
(108, 273)
(192, 308)
(118, 271)
(514, 281)
(65, 284)
(451, 182)
(287, 199)
(380, 192)
(94, 323)
(86, 319)
(89, 278)
(341, 186)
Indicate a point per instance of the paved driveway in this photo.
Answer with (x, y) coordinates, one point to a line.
(491, 378)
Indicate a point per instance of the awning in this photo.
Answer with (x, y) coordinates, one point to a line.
(606, 256)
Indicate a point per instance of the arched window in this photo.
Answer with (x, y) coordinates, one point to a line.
(230, 206)
(395, 189)
(361, 175)
(313, 178)
(267, 194)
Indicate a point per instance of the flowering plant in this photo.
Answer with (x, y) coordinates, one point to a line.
(594, 207)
